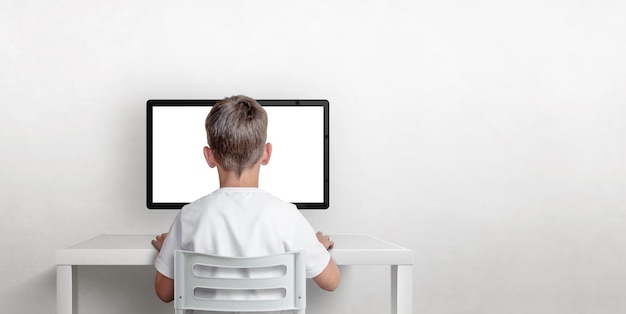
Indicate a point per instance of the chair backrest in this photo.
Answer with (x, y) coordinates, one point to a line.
(215, 283)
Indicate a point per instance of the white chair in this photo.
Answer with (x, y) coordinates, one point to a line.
(200, 281)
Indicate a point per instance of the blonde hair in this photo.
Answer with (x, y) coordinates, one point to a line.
(236, 131)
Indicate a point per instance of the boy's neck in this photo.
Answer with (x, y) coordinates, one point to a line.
(249, 178)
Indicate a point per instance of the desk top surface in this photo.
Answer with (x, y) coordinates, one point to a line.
(136, 249)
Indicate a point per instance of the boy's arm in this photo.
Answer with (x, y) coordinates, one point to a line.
(163, 285)
(329, 278)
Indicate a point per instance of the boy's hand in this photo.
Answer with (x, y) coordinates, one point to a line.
(158, 242)
(325, 240)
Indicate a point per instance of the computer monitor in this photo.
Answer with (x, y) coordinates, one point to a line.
(298, 171)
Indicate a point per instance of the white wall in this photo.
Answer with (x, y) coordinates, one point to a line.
(488, 137)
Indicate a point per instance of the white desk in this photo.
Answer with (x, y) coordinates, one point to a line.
(135, 249)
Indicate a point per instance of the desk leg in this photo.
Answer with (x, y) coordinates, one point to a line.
(65, 290)
(402, 289)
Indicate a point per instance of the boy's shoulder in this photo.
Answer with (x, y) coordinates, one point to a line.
(253, 198)
(241, 205)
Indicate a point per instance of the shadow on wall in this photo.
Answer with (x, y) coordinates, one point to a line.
(118, 289)
(35, 289)
(130, 289)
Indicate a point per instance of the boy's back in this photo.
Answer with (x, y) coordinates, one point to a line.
(242, 222)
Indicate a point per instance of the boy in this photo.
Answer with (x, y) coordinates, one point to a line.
(239, 219)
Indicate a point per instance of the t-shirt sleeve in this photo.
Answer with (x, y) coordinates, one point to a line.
(164, 262)
(304, 239)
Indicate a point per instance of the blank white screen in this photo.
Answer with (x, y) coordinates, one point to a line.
(295, 172)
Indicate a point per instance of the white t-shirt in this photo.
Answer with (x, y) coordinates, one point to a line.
(242, 222)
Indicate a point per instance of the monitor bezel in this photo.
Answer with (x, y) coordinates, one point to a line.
(150, 104)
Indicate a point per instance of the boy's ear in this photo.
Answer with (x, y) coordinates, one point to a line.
(209, 157)
(267, 154)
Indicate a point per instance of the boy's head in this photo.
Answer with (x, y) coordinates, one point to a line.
(236, 131)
